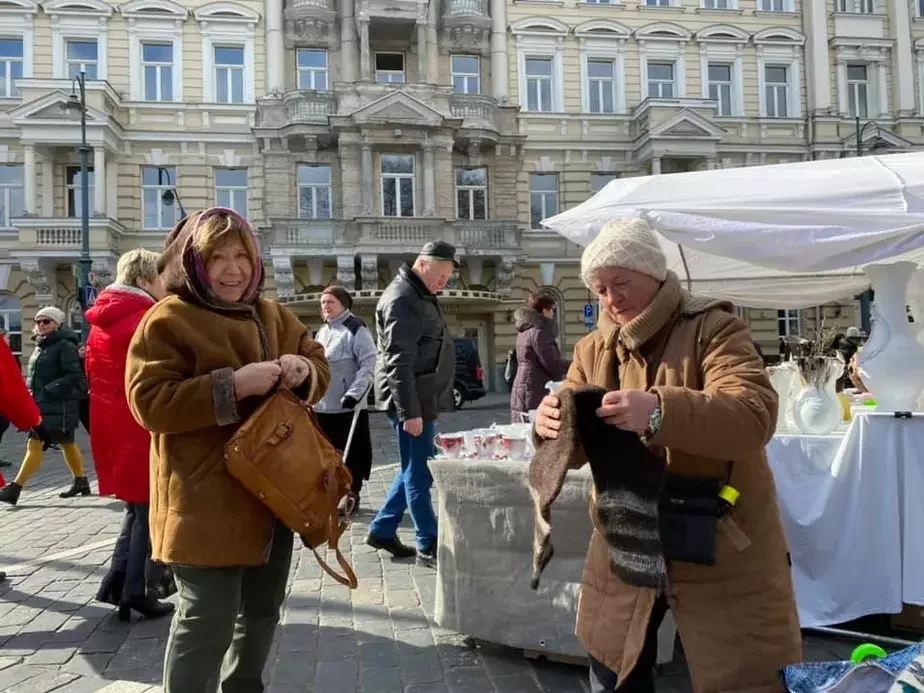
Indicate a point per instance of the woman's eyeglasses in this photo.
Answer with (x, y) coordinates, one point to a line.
(43, 321)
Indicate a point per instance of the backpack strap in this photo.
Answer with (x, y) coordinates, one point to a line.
(337, 529)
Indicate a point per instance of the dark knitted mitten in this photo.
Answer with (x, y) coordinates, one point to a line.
(629, 479)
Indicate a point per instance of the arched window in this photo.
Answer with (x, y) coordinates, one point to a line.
(73, 313)
(11, 321)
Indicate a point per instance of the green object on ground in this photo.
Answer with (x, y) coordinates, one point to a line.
(867, 651)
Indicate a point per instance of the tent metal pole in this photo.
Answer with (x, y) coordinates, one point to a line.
(686, 268)
(857, 635)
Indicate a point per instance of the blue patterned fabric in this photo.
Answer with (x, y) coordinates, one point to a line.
(878, 676)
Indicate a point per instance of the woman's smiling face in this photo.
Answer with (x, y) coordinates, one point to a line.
(230, 270)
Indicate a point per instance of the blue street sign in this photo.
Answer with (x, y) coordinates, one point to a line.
(588, 310)
(89, 295)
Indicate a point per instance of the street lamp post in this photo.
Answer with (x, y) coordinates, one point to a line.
(171, 194)
(866, 298)
(78, 101)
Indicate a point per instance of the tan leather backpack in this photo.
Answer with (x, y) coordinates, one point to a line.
(281, 456)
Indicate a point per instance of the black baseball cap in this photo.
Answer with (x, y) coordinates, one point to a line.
(440, 250)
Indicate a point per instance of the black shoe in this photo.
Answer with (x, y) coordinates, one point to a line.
(80, 487)
(110, 591)
(426, 559)
(4, 463)
(10, 493)
(148, 608)
(393, 546)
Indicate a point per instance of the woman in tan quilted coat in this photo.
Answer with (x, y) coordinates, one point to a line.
(198, 365)
(707, 403)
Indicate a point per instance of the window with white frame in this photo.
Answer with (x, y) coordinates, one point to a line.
(598, 181)
(472, 193)
(160, 211)
(157, 71)
(231, 189)
(721, 87)
(776, 91)
(314, 191)
(718, 4)
(856, 6)
(858, 91)
(312, 69)
(82, 56)
(389, 68)
(661, 80)
(601, 85)
(543, 198)
(12, 194)
(789, 323)
(11, 64)
(73, 183)
(774, 6)
(657, 3)
(229, 74)
(466, 74)
(601, 2)
(11, 322)
(539, 84)
(397, 185)
(920, 8)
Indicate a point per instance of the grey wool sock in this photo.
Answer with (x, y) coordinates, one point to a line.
(628, 479)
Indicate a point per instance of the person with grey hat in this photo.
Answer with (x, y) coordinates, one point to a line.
(682, 373)
(414, 372)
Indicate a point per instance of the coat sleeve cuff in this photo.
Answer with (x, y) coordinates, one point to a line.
(223, 400)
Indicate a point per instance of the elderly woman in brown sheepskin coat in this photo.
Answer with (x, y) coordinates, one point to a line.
(682, 372)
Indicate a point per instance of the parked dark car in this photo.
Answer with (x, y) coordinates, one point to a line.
(469, 383)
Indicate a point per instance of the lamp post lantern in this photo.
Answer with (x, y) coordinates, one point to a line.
(78, 101)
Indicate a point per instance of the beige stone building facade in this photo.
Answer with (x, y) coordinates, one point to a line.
(352, 131)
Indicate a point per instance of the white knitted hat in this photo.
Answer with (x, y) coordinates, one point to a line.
(52, 313)
(627, 243)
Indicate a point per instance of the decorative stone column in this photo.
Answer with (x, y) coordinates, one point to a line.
(433, 55)
(284, 276)
(346, 274)
(840, 70)
(365, 173)
(475, 270)
(316, 271)
(423, 63)
(275, 48)
(29, 180)
(99, 182)
(902, 64)
(818, 70)
(429, 180)
(656, 166)
(369, 266)
(499, 65)
(365, 62)
(349, 49)
(48, 187)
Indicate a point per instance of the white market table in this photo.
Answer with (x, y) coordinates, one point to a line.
(853, 516)
(485, 517)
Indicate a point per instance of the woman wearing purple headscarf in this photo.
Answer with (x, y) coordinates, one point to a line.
(199, 364)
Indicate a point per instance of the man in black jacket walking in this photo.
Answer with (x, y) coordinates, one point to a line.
(414, 370)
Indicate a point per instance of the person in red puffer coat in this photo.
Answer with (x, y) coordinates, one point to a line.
(16, 403)
(121, 447)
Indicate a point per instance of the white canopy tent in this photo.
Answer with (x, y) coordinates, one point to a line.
(785, 236)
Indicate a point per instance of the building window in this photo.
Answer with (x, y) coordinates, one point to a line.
(314, 192)
(776, 86)
(312, 69)
(397, 185)
(159, 211)
(157, 71)
(717, 5)
(229, 74)
(543, 198)
(389, 68)
(466, 74)
(82, 56)
(472, 193)
(720, 88)
(231, 189)
(857, 6)
(601, 83)
(598, 181)
(11, 61)
(601, 2)
(73, 183)
(539, 85)
(657, 3)
(789, 323)
(660, 80)
(857, 91)
(773, 6)
(11, 322)
(12, 195)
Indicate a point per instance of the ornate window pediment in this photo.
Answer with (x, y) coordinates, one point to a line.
(226, 11)
(548, 26)
(81, 7)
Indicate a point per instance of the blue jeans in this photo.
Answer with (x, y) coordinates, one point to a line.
(411, 489)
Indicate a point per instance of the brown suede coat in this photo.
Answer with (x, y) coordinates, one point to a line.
(737, 620)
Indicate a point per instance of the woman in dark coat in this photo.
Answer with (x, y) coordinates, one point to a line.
(538, 356)
(56, 381)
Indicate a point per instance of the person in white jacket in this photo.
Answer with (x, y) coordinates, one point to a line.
(351, 353)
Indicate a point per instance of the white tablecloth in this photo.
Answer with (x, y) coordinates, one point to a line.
(853, 514)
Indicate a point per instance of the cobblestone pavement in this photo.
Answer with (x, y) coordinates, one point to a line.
(378, 639)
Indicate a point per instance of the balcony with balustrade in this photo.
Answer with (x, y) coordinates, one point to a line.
(300, 112)
(60, 238)
(479, 114)
(392, 10)
(316, 11)
(466, 25)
